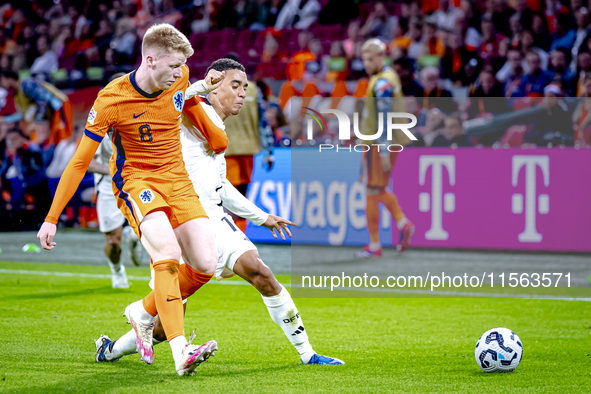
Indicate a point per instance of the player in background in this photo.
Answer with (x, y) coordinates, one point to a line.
(384, 94)
(204, 142)
(42, 105)
(247, 133)
(152, 186)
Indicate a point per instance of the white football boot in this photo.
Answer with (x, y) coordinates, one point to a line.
(143, 324)
(193, 355)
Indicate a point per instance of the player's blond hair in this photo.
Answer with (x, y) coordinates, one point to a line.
(165, 38)
(374, 45)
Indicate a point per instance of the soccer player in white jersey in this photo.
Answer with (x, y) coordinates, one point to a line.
(203, 146)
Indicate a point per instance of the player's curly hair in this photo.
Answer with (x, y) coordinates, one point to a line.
(166, 39)
(225, 64)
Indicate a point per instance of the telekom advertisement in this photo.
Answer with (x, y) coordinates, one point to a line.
(511, 199)
(497, 199)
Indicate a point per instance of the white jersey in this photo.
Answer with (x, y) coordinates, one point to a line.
(102, 183)
(207, 171)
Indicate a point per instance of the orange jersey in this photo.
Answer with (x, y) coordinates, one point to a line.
(146, 126)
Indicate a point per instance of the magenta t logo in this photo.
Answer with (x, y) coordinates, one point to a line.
(436, 202)
(530, 234)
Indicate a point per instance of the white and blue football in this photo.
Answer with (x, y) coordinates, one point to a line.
(498, 350)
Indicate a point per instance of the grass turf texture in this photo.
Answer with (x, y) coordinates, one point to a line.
(390, 345)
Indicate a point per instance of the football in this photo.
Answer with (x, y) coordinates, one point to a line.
(498, 350)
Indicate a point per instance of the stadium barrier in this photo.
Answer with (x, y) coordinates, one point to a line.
(508, 199)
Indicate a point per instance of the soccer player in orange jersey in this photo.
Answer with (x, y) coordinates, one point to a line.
(152, 186)
(384, 93)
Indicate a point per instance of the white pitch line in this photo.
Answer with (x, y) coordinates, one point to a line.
(241, 283)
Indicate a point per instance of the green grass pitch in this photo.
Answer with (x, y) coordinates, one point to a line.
(48, 324)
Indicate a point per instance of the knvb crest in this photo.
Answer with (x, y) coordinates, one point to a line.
(147, 196)
(178, 100)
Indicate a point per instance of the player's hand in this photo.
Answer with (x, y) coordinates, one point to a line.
(278, 223)
(214, 79)
(268, 162)
(46, 234)
(386, 165)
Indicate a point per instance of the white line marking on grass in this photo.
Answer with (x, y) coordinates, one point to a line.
(241, 283)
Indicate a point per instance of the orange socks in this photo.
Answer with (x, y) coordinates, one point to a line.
(372, 211)
(168, 298)
(188, 282)
(391, 203)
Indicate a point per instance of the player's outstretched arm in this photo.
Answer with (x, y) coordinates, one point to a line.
(278, 223)
(66, 188)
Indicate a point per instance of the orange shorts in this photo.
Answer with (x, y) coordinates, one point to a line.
(239, 169)
(175, 196)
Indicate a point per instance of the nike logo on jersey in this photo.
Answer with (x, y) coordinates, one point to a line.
(137, 116)
(172, 299)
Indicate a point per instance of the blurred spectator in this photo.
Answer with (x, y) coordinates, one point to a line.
(534, 82)
(299, 14)
(489, 49)
(21, 173)
(267, 13)
(554, 8)
(435, 96)
(405, 71)
(430, 39)
(297, 66)
(245, 13)
(516, 30)
(316, 68)
(64, 151)
(124, 43)
(525, 14)
(539, 28)
(452, 134)
(170, 14)
(565, 36)
(511, 74)
(379, 24)
(527, 45)
(336, 63)
(581, 118)
(583, 30)
(6, 44)
(471, 13)
(411, 41)
(353, 37)
(273, 60)
(446, 15)
(46, 62)
(459, 64)
(200, 21)
(500, 17)
(356, 67)
(559, 62)
(472, 38)
(553, 126)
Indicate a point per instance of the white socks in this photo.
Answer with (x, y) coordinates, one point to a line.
(177, 345)
(114, 267)
(123, 346)
(285, 314)
(373, 246)
(400, 224)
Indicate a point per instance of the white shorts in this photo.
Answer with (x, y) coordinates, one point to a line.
(231, 243)
(109, 216)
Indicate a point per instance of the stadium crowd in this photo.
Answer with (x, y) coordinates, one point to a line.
(499, 73)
